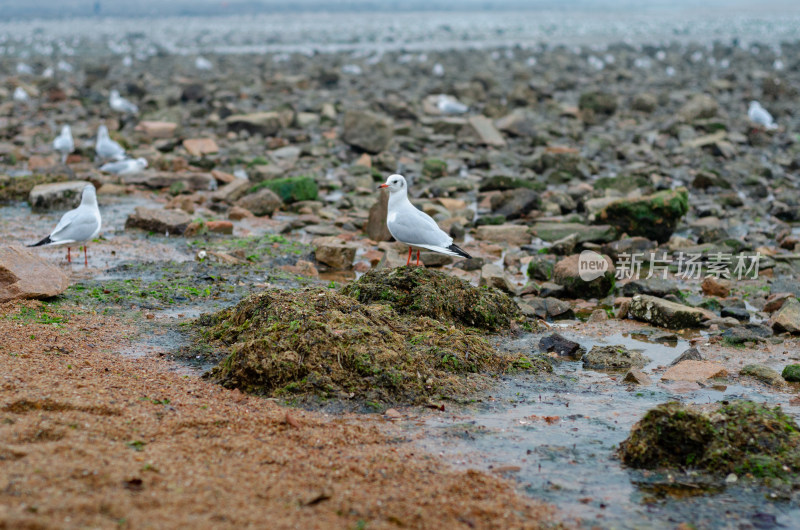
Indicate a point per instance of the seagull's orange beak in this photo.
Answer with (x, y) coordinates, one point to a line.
(383, 186)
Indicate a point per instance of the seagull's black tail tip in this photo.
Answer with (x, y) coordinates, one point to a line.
(458, 251)
(44, 241)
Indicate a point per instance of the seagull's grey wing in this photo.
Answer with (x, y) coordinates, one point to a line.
(414, 227)
(114, 167)
(76, 225)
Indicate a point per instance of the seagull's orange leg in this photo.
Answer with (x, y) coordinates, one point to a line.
(408, 261)
(69, 258)
(417, 257)
(85, 257)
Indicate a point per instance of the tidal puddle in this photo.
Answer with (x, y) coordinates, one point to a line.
(558, 436)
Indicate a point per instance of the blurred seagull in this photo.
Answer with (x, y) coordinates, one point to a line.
(201, 63)
(76, 226)
(761, 116)
(129, 166)
(449, 105)
(120, 104)
(64, 143)
(413, 227)
(105, 147)
(20, 94)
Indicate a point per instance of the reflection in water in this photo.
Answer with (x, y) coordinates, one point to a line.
(559, 436)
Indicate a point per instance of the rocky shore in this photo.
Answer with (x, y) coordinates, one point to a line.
(600, 191)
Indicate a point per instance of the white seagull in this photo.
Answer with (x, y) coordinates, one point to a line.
(64, 143)
(761, 116)
(413, 227)
(129, 166)
(20, 95)
(450, 105)
(76, 226)
(120, 104)
(105, 147)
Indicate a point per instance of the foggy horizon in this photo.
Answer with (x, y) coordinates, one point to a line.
(48, 9)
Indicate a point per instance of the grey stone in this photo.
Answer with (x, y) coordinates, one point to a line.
(56, 196)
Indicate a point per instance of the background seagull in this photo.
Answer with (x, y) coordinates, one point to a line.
(761, 116)
(120, 104)
(129, 166)
(105, 147)
(64, 143)
(76, 226)
(449, 105)
(413, 227)
(20, 94)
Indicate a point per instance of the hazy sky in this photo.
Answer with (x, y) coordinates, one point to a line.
(60, 8)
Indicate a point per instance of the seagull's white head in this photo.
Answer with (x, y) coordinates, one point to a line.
(89, 195)
(102, 132)
(114, 94)
(755, 104)
(66, 130)
(395, 184)
(142, 162)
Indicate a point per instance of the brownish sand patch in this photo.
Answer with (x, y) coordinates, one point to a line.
(89, 438)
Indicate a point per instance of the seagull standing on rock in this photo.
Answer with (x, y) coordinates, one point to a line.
(413, 227)
(64, 143)
(128, 166)
(107, 148)
(76, 226)
(120, 104)
(761, 116)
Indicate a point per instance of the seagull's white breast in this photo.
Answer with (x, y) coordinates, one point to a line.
(392, 217)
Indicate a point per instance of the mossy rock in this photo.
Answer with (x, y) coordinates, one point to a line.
(292, 189)
(434, 168)
(322, 343)
(598, 102)
(504, 182)
(19, 188)
(435, 294)
(652, 216)
(741, 437)
(791, 373)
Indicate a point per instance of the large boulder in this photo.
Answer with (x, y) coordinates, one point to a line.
(262, 202)
(695, 371)
(513, 204)
(56, 195)
(574, 274)
(698, 107)
(613, 358)
(516, 235)
(334, 252)
(788, 318)
(666, 314)
(376, 222)
(263, 123)
(185, 181)
(25, 275)
(171, 222)
(651, 216)
(367, 130)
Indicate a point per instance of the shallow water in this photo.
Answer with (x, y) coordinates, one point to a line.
(558, 437)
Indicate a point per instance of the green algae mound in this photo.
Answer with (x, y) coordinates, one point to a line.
(741, 437)
(423, 292)
(318, 342)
